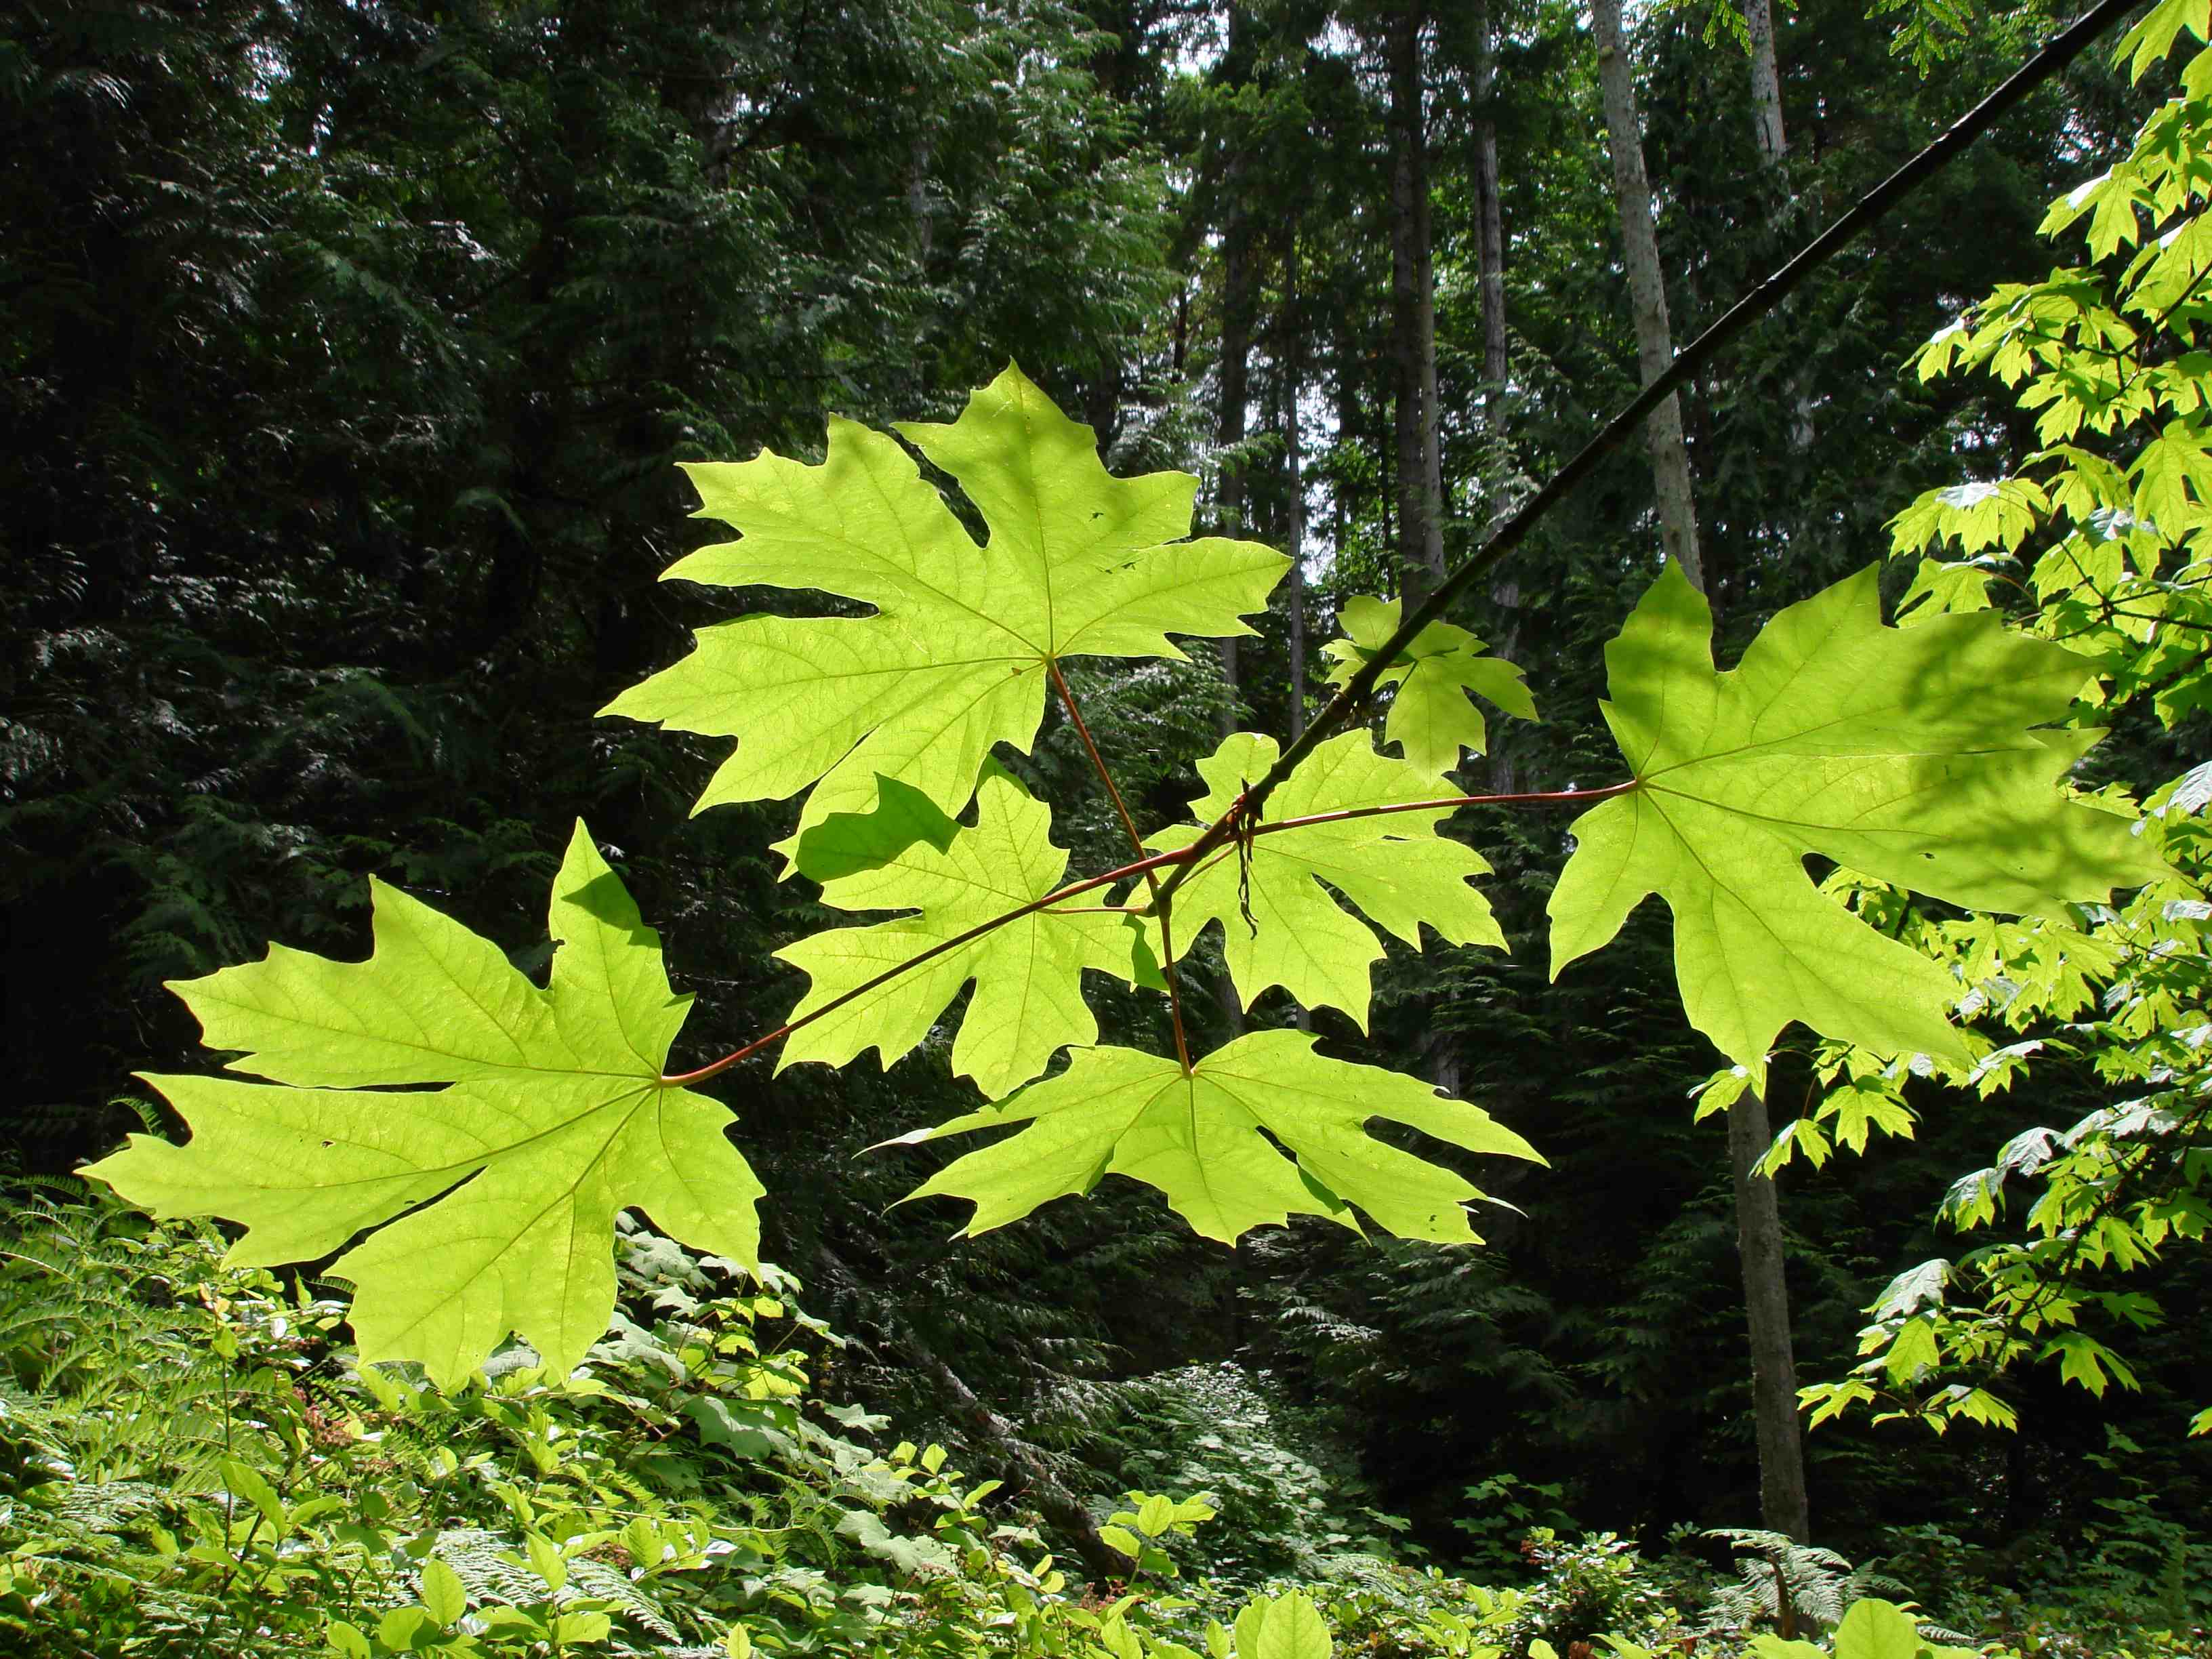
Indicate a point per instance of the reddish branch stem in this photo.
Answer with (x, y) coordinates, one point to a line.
(1087, 884)
(1137, 846)
(1145, 867)
(1544, 798)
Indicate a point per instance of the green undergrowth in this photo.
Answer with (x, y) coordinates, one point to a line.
(191, 1463)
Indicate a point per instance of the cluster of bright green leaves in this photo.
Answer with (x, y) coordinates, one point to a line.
(2099, 541)
(956, 657)
(507, 1181)
(1431, 719)
(1912, 756)
(2119, 991)
(2104, 529)
(1279, 923)
(489, 1203)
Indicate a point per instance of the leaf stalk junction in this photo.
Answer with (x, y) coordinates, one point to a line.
(1176, 861)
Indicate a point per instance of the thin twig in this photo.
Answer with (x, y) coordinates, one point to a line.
(1088, 883)
(1143, 867)
(1136, 845)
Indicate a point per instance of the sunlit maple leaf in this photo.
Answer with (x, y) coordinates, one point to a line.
(1281, 920)
(1214, 1139)
(1077, 563)
(1431, 719)
(1909, 755)
(507, 1182)
(1027, 975)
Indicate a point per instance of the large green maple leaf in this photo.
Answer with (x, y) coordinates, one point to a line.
(1909, 755)
(954, 658)
(1027, 975)
(1281, 922)
(1213, 1141)
(1431, 718)
(506, 1181)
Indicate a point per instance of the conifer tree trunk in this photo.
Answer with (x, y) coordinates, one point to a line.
(1237, 306)
(1765, 79)
(1490, 256)
(1413, 317)
(1782, 1498)
(1490, 228)
(1654, 344)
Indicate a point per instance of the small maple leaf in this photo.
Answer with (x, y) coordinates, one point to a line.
(1281, 925)
(1431, 718)
(1027, 975)
(1909, 755)
(1213, 1141)
(954, 660)
(507, 1181)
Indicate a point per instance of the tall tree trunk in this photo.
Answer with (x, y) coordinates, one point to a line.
(1654, 343)
(1294, 529)
(1773, 145)
(1490, 257)
(1237, 306)
(1765, 79)
(1490, 226)
(1413, 317)
(1782, 1504)
(1782, 1498)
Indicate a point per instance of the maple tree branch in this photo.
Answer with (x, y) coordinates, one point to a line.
(1137, 845)
(1542, 798)
(2056, 54)
(1148, 868)
(1088, 883)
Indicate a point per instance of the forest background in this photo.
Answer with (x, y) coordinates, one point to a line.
(349, 351)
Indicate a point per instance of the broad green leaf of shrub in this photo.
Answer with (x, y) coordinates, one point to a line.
(1027, 975)
(1874, 1629)
(1431, 718)
(1909, 755)
(555, 1120)
(1202, 1138)
(954, 659)
(1395, 868)
(1282, 1627)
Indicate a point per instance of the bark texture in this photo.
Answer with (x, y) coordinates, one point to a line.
(1783, 1506)
(1490, 226)
(1654, 343)
(1765, 79)
(1782, 1497)
(1412, 317)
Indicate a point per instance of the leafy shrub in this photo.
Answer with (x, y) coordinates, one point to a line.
(1282, 1504)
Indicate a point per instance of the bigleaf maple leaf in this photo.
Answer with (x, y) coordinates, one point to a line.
(508, 1180)
(956, 657)
(1281, 922)
(1431, 718)
(1203, 1138)
(1909, 755)
(1027, 975)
